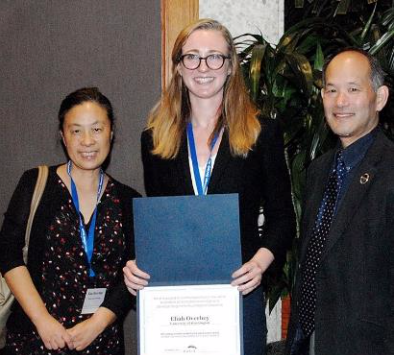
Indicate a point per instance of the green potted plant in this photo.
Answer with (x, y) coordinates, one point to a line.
(285, 81)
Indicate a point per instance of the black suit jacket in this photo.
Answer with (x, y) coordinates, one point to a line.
(355, 280)
(260, 178)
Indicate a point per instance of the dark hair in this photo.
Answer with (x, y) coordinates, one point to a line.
(376, 75)
(83, 95)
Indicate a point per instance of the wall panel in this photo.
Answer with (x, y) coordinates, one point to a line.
(50, 48)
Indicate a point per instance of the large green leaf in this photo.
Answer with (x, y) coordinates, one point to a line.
(388, 18)
(257, 38)
(288, 42)
(375, 36)
(297, 169)
(302, 69)
(255, 69)
(367, 25)
(319, 58)
(385, 39)
(342, 7)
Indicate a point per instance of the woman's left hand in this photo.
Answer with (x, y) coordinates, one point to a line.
(84, 333)
(249, 276)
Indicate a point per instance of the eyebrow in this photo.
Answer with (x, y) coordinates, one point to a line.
(80, 125)
(211, 51)
(348, 83)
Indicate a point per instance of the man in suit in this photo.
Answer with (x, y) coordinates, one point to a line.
(343, 303)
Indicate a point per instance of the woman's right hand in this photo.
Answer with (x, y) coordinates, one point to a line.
(134, 278)
(53, 334)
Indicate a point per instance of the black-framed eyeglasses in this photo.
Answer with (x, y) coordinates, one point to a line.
(213, 61)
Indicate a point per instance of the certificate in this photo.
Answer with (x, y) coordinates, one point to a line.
(199, 319)
(190, 246)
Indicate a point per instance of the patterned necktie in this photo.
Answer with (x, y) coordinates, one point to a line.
(316, 246)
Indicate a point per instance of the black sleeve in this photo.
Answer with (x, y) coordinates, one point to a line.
(12, 234)
(279, 228)
(118, 299)
(390, 239)
(149, 162)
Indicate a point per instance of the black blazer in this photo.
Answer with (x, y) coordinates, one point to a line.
(355, 280)
(260, 178)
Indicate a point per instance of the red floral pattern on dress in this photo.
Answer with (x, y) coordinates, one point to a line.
(65, 274)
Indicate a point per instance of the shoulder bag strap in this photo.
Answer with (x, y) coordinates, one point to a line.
(38, 191)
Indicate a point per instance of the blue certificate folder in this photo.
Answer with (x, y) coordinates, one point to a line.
(188, 240)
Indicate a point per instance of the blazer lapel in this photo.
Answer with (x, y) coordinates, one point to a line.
(221, 161)
(315, 197)
(184, 169)
(362, 180)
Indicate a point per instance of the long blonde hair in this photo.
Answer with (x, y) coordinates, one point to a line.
(168, 118)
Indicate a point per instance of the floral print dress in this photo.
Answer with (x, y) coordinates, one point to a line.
(65, 273)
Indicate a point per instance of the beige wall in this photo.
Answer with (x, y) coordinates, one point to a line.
(244, 16)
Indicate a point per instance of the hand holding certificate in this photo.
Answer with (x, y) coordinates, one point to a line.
(190, 247)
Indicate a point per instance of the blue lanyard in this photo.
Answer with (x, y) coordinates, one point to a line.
(87, 238)
(201, 189)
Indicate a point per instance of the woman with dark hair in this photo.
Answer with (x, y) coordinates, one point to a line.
(205, 136)
(81, 236)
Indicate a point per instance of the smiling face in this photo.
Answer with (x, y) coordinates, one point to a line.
(351, 106)
(87, 135)
(203, 82)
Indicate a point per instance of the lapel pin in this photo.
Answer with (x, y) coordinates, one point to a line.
(364, 178)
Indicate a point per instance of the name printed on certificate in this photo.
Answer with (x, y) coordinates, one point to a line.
(203, 319)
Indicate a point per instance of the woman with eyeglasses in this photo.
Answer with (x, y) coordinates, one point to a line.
(205, 136)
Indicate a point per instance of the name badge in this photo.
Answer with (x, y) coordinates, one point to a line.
(93, 300)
